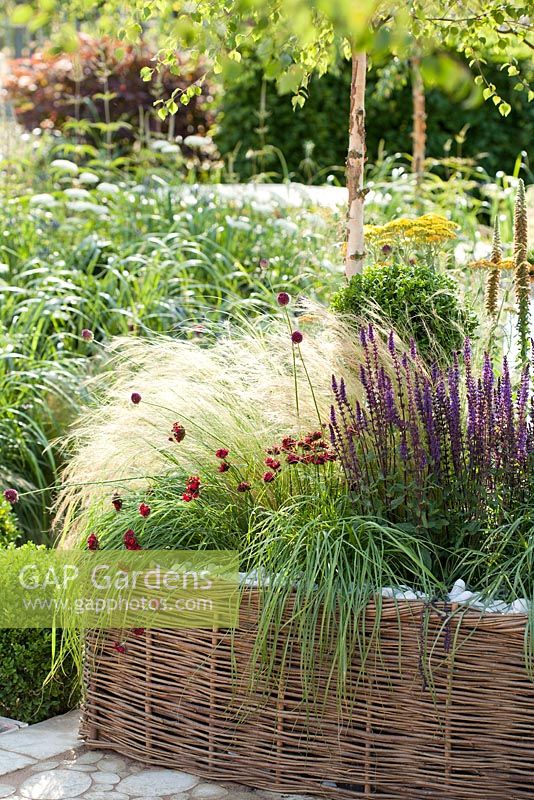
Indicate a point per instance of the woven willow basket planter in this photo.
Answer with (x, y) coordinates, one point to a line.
(183, 700)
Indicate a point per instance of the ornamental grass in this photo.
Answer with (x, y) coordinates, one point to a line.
(336, 466)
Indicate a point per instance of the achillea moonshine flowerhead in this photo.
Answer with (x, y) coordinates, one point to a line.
(268, 477)
(178, 433)
(12, 496)
(87, 335)
(222, 452)
(130, 540)
(244, 486)
(297, 337)
(144, 510)
(117, 502)
(283, 299)
(92, 542)
(135, 398)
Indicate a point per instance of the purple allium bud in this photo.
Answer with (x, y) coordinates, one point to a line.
(87, 335)
(297, 337)
(283, 299)
(135, 398)
(386, 248)
(12, 496)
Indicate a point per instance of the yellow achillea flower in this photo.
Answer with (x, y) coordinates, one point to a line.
(428, 229)
(485, 263)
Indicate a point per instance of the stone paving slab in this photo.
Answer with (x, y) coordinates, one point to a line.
(32, 767)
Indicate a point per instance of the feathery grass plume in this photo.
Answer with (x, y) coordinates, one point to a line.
(492, 288)
(236, 392)
(522, 284)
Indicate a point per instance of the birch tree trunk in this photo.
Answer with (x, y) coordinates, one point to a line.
(355, 167)
(419, 119)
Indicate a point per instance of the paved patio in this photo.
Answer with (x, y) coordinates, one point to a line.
(47, 761)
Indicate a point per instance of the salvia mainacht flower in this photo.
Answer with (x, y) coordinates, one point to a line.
(440, 436)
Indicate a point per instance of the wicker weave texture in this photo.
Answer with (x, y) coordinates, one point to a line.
(444, 710)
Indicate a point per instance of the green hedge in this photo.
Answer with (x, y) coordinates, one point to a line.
(26, 693)
(323, 120)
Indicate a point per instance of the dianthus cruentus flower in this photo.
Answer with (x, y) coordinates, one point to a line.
(130, 540)
(244, 486)
(224, 466)
(178, 433)
(138, 631)
(135, 398)
(12, 496)
(273, 463)
(92, 542)
(144, 510)
(119, 647)
(186, 497)
(222, 452)
(283, 299)
(87, 335)
(297, 337)
(193, 483)
(268, 477)
(293, 458)
(117, 502)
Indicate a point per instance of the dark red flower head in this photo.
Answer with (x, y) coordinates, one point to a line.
(119, 647)
(130, 540)
(224, 466)
(144, 510)
(193, 485)
(273, 463)
(12, 496)
(186, 497)
(293, 458)
(135, 398)
(288, 443)
(117, 502)
(297, 337)
(92, 542)
(178, 432)
(138, 631)
(268, 477)
(244, 486)
(222, 452)
(283, 299)
(87, 335)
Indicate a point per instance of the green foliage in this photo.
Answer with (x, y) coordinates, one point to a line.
(415, 299)
(28, 690)
(9, 532)
(143, 257)
(458, 122)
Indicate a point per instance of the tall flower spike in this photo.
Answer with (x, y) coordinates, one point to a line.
(522, 287)
(492, 288)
